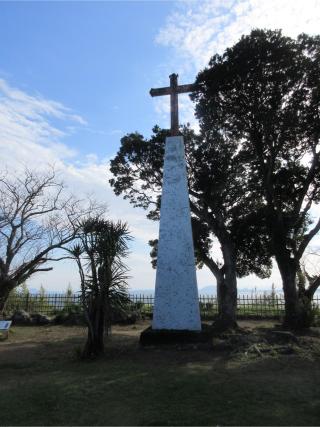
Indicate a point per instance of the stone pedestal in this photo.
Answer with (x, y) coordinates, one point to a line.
(176, 304)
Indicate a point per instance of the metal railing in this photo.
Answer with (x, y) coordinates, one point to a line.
(258, 306)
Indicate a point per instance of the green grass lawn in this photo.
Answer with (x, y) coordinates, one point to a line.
(43, 383)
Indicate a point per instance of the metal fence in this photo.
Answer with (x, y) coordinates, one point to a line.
(258, 306)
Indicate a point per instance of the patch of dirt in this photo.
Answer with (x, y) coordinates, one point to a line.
(257, 324)
(250, 343)
(27, 344)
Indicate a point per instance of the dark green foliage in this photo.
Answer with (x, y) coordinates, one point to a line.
(99, 255)
(262, 98)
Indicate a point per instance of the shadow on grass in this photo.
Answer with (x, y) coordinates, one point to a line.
(134, 386)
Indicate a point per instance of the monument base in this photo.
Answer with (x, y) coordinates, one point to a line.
(175, 336)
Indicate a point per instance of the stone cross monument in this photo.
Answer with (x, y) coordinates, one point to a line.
(176, 305)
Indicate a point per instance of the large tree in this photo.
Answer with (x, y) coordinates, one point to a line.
(220, 200)
(264, 95)
(37, 219)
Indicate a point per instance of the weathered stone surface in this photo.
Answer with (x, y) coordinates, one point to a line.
(40, 319)
(21, 317)
(126, 317)
(70, 319)
(176, 294)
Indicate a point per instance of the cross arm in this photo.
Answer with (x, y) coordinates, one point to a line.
(161, 91)
(173, 90)
(187, 88)
(179, 89)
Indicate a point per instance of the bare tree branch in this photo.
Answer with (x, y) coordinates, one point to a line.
(37, 218)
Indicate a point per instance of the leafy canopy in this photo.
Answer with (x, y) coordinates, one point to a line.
(220, 199)
(263, 97)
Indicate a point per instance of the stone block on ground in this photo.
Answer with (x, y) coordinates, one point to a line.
(70, 319)
(21, 317)
(40, 319)
(175, 336)
(126, 317)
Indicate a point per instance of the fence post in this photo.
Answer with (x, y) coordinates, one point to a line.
(27, 302)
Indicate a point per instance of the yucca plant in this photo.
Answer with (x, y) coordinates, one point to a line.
(99, 253)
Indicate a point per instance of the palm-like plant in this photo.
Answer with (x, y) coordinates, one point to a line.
(99, 253)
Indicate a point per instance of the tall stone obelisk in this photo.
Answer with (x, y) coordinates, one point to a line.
(176, 305)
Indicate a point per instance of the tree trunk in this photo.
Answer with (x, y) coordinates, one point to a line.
(226, 294)
(6, 287)
(306, 310)
(227, 300)
(94, 346)
(288, 275)
(220, 284)
(298, 305)
(227, 290)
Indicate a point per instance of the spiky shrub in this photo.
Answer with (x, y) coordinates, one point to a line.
(99, 253)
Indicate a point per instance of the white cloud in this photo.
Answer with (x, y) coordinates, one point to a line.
(34, 106)
(186, 111)
(196, 30)
(25, 127)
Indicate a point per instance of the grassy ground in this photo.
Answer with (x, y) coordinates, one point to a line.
(43, 383)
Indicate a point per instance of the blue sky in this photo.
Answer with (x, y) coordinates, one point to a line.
(75, 77)
(97, 58)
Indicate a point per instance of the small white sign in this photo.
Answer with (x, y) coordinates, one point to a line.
(5, 325)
